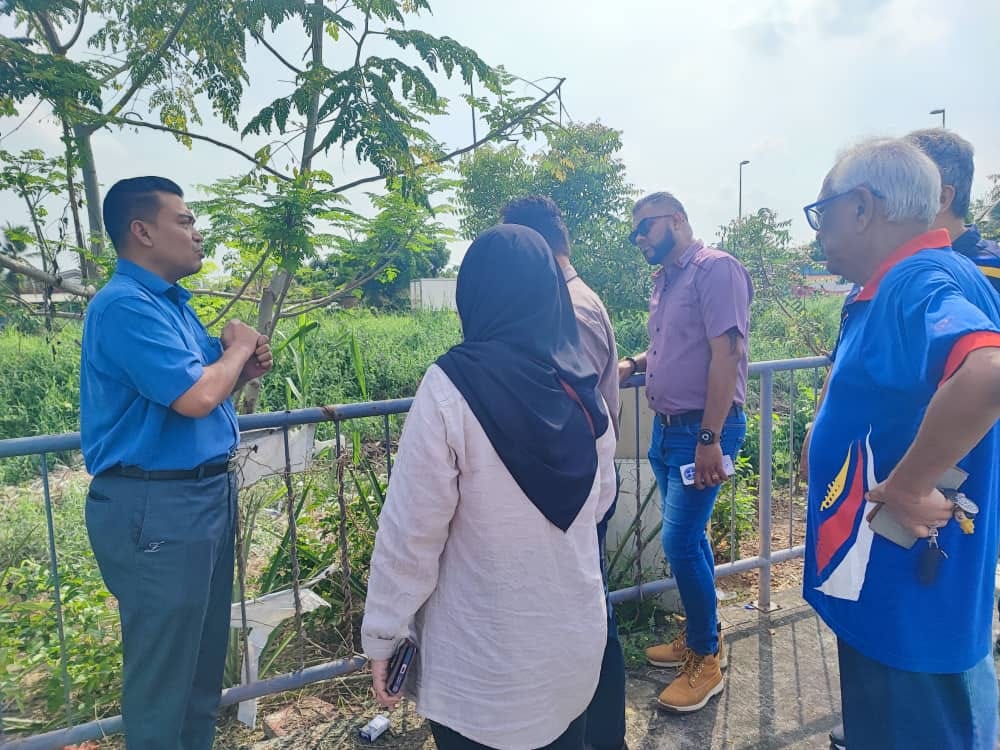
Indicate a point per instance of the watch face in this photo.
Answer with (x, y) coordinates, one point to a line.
(706, 437)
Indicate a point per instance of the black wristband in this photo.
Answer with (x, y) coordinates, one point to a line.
(635, 365)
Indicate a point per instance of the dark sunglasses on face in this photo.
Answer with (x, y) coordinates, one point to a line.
(643, 227)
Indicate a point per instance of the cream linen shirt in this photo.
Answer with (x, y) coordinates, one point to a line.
(508, 611)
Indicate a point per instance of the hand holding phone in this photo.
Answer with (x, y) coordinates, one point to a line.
(399, 666)
(687, 471)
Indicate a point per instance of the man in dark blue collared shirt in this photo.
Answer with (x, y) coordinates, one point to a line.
(157, 430)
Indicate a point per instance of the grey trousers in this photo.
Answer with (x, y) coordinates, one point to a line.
(165, 550)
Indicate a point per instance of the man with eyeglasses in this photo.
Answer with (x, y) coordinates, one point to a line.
(696, 372)
(913, 392)
(953, 156)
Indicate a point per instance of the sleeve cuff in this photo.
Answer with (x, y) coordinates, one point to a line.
(377, 649)
(964, 347)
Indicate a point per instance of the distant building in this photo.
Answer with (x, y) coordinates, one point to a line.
(433, 294)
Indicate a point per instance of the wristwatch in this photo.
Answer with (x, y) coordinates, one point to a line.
(706, 436)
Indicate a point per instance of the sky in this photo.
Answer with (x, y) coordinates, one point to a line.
(695, 87)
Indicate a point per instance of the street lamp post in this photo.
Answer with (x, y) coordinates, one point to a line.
(739, 214)
(939, 112)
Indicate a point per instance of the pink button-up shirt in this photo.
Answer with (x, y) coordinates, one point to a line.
(698, 296)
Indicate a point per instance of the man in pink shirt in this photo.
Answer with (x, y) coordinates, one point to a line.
(696, 373)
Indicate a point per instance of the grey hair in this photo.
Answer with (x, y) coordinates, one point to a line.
(954, 158)
(898, 171)
(662, 198)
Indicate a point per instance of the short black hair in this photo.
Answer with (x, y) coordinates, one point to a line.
(539, 212)
(953, 156)
(662, 197)
(131, 199)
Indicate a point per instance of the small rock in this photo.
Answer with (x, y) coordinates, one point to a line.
(300, 715)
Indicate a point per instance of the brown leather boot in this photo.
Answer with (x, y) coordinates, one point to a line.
(669, 654)
(699, 679)
(672, 654)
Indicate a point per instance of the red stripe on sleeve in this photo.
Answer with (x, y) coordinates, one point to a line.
(964, 347)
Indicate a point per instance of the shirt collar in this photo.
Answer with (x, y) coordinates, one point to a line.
(681, 260)
(936, 238)
(151, 281)
(684, 258)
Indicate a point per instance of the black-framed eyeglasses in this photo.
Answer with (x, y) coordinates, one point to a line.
(644, 226)
(814, 211)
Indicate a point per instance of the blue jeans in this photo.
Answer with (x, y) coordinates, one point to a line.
(889, 709)
(686, 512)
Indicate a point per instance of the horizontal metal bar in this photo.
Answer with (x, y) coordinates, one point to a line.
(96, 730)
(31, 446)
(28, 446)
(756, 368)
(783, 365)
(740, 566)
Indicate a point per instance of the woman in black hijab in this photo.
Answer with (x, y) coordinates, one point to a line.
(520, 373)
(485, 549)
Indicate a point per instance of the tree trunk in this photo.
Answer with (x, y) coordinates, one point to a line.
(274, 296)
(91, 187)
(87, 269)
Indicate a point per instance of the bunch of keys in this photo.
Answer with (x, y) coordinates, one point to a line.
(965, 510)
(964, 513)
(930, 559)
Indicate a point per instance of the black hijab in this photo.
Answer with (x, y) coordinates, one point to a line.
(519, 347)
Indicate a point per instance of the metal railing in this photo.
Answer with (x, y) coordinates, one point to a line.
(766, 556)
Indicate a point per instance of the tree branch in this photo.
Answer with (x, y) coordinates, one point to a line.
(337, 295)
(139, 81)
(47, 30)
(55, 281)
(273, 51)
(112, 75)
(64, 48)
(253, 273)
(40, 313)
(198, 137)
(492, 135)
(222, 295)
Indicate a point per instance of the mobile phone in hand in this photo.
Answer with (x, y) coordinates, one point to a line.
(399, 666)
(687, 471)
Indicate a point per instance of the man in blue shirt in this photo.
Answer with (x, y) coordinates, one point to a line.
(157, 431)
(953, 156)
(914, 390)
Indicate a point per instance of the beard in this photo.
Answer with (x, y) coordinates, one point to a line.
(662, 249)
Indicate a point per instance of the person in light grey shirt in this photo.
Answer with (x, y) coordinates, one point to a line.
(606, 714)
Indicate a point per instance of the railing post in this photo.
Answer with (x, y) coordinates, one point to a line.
(764, 502)
(56, 594)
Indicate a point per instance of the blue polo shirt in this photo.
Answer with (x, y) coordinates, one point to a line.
(143, 347)
(907, 332)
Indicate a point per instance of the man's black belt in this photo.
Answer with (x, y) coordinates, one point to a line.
(693, 417)
(199, 472)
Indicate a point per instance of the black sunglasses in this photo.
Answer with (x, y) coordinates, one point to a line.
(814, 214)
(643, 227)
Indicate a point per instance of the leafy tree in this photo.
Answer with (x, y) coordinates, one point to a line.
(580, 169)
(402, 242)
(762, 242)
(169, 49)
